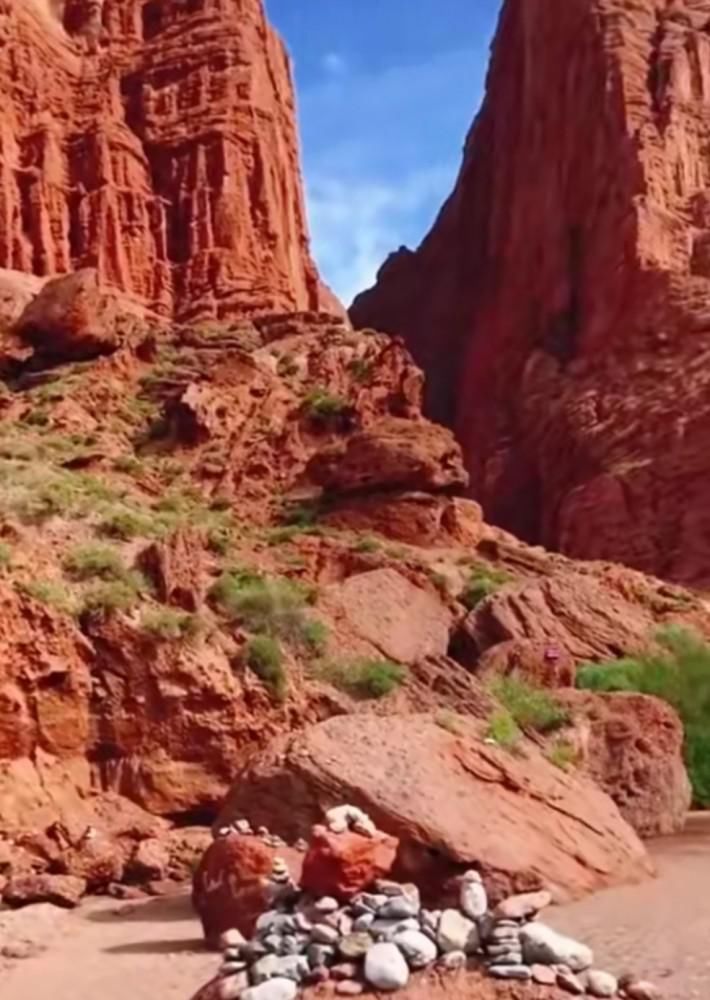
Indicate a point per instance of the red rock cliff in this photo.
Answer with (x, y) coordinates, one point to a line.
(155, 141)
(561, 303)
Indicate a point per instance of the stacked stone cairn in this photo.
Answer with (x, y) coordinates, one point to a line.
(381, 936)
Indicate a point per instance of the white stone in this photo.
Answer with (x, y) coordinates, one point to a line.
(457, 933)
(272, 989)
(601, 984)
(232, 938)
(417, 948)
(473, 898)
(385, 967)
(518, 972)
(453, 960)
(542, 944)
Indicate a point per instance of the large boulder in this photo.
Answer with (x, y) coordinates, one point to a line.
(453, 800)
(230, 886)
(71, 319)
(632, 746)
(343, 864)
(393, 453)
(387, 612)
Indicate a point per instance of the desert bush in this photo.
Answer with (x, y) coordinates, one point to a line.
(270, 605)
(368, 543)
(93, 561)
(108, 596)
(126, 523)
(363, 678)
(503, 730)
(482, 582)
(263, 656)
(562, 754)
(530, 707)
(323, 405)
(171, 623)
(5, 555)
(678, 672)
(53, 593)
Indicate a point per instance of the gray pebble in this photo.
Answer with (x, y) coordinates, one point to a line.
(355, 945)
(327, 905)
(349, 988)
(567, 981)
(320, 955)
(385, 967)
(507, 958)
(457, 933)
(294, 967)
(398, 908)
(364, 922)
(272, 989)
(520, 972)
(324, 934)
(417, 948)
(601, 984)
(453, 960)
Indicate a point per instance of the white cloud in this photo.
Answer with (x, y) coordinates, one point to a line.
(356, 224)
(334, 64)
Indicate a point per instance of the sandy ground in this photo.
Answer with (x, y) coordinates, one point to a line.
(139, 951)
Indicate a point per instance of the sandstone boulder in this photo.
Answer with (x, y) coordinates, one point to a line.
(452, 800)
(393, 454)
(414, 518)
(230, 884)
(385, 610)
(61, 890)
(546, 664)
(71, 319)
(343, 864)
(632, 746)
(176, 567)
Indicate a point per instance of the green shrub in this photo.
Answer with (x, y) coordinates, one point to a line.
(273, 606)
(562, 754)
(367, 544)
(129, 464)
(36, 418)
(503, 730)
(678, 672)
(323, 405)
(363, 678)
(264, 657)
(314, 636)
(529, 706)
(126, 524)
(50, 592)
(92, 562)
(449, 722)
(482, 582)
(171, 623)
(108, 596)
(220, 540)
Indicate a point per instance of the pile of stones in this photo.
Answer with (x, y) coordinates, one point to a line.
(381, 936)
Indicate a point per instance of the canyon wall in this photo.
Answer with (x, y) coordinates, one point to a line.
(156, 142)
(561, 303)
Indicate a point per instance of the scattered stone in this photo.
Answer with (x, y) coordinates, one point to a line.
(567, 980)
(385, 967)
(344, 970)
(320, 955)
(324, 934)
(453, 960)
(506, 956)
(364, 922)
(601, 984)
(60, 890)
(398, 908)
(355, 945)
(368, 902)
(242, 826)
(294, 967)
(272, 989)
(518, 972)
(541, 944)
(327, 905)
(457, 933)
(388, 928)
(473, 898)
(20, 950)
(349, 988)
(638, 989)
(522, 906)
(544, 975)
(417, 948)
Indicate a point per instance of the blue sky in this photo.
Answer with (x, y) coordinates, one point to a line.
(386, 90)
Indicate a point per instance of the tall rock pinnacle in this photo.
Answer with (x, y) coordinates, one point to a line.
(561, 304)
(155, 141)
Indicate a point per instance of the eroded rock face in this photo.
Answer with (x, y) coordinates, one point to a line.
(559, 305)
(155, 142)
(452, 801)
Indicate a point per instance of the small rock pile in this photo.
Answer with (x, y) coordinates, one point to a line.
(382, 934)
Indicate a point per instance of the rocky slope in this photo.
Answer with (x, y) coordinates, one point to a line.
(212, 536)
(559, 304)
(155, 142)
